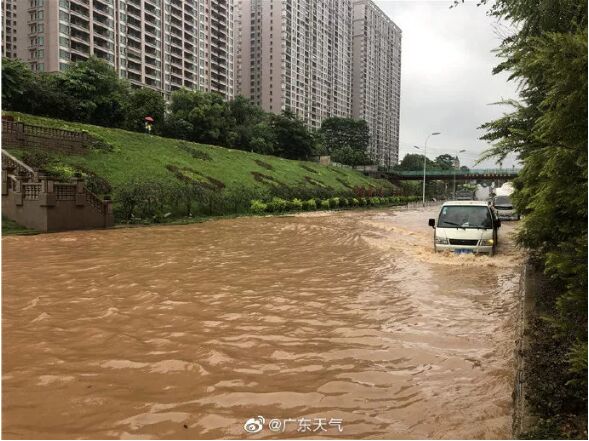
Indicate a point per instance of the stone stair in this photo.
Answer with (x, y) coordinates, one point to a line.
(38, 201)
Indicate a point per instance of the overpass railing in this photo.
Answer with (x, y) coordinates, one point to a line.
(471, 172)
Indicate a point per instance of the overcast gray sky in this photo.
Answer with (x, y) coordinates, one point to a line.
(446, 81)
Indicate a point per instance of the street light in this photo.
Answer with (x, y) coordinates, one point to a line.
(425, 159)
(454, 186)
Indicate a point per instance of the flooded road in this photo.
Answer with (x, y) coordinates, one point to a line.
(188, 331)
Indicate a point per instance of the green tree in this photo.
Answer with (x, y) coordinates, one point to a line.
(145, 102)
(338, 133)
(97, 94)
(413, 161)
(547, 129)
(262, 139)
(249, 130)
(292, 138)
(207, 115)
(445, 161)
(349, 156)
(17, 80)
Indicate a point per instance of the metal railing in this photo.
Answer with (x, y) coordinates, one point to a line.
(471, 172)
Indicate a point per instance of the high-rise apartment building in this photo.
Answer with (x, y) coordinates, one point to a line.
(9, 42)
(323, 58)
(377, 79)
(295, 54)
(163, 44)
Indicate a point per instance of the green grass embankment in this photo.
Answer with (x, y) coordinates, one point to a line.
(151, 176)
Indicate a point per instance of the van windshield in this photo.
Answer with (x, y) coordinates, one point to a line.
(457, 216)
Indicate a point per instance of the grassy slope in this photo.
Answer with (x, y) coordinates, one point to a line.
(139, 156)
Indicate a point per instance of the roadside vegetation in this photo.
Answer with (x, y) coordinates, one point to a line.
(9, 227)
(547, 129)
(91, 92)
(156, 179)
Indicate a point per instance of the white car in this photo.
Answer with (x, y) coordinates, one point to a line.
(466, 227)
(504, 208)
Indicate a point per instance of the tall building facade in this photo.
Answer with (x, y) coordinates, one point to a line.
(323, 58)
(295, 54)
(163, 44)
(9, 41)
(376, 87)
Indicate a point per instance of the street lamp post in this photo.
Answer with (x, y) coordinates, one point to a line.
(424, 161)
(454, 186)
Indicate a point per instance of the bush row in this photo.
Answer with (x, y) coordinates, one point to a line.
(279, 205)
(145, 201)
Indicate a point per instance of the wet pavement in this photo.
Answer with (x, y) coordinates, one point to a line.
(346, 320)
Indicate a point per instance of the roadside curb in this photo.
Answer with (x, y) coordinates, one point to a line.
(522, 420)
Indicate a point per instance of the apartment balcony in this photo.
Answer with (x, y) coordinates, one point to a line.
(175, 51)
(152, 51)
(151, 31)
(133, 44)
(134, 34)
(176, 30)
(134, 67)
(134, 77)
(134, 55)
(134, 23)
(103, 44)
(152, 42)
(176, 80)
(79, 23)
(150, 61)
(133, 11)
(154, 3)
(104, 55)
(79, 49)
(79, 11)
(152, 73)
(134, 3)
(176, 64)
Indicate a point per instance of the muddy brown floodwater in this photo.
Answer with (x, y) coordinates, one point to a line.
(188, 331)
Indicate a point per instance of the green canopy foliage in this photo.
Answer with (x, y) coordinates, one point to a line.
(91, 92)
(547, 129)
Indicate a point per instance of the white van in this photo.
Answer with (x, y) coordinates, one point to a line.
(466, 227)
(504, 208)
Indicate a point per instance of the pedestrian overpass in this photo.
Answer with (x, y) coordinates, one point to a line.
(390, 174)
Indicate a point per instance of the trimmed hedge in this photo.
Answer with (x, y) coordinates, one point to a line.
(279, 205)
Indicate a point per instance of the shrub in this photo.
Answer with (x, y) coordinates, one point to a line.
(258, 207)
(334, 202)
(325, 204)
(37, 159)
(277, 205)
(355, 202)
(343, 202)
(296, 204)
(375, 200)
(363, 202)
(310, 204)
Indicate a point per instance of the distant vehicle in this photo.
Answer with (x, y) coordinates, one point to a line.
(466, 227)
(465, 195)
(504, 208)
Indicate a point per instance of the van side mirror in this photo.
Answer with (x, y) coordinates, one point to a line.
(432, 223)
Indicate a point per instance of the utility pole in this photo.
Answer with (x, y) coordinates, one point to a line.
(456, 166)
(425, 161)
